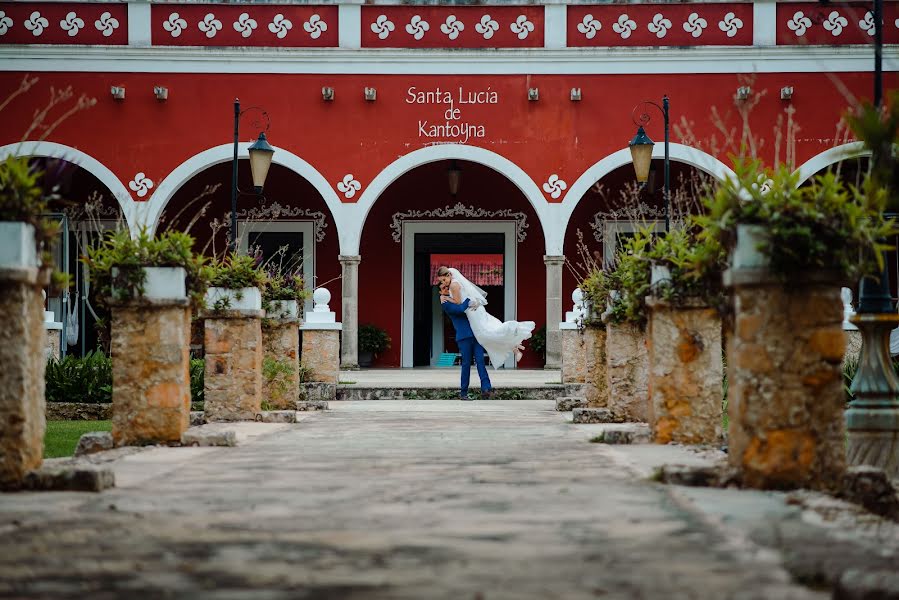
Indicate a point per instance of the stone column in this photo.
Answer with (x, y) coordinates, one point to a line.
(233, 377)
(281, 363)
(22, 363)
(349, 353)
(553, 310)
(54, 336)
(627, 367)
(685, 374)
(321, 348)
(595, 372)
(573, 357)
(785, 390)
(150, 352)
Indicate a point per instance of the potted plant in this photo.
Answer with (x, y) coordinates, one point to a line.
(283, 295)
(372, 341)
(236, 284)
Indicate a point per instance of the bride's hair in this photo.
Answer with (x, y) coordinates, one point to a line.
(443, 272)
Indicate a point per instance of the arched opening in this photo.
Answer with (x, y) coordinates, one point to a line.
(488, 229)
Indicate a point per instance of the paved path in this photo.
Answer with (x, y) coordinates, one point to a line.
(449, 378)
(382, 500)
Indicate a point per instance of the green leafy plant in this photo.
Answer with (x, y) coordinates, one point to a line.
(630, 279)
(75, 379)
(237, 271)
(373, 339)
(306, 373)
(695, 264)
(537, 343)
(197, 379)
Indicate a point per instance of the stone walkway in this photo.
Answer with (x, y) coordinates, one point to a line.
(408, 500)
(449, 378)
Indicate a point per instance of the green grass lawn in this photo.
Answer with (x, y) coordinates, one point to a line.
(62, 436)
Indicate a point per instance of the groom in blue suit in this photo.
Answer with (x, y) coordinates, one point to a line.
(468, 345)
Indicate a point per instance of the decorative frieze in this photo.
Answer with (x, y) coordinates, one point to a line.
(79, 23)
(460, 210)
(276, 211)
(813, 23)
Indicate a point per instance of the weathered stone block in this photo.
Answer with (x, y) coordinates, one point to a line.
(233, 377)
(321, 354)
(698, 475)
(69, 479)
(568, 403)
(627, 364)
(592, 415)
(573, 356)
(685, 374)
(280, 363)
(78, 411)
(22, 363)
(859, 584)
(308, 405)
(625, 436)
(93, 442)
(150, 372)
(197, 418)
(54, 342)
(316, 391)
(870, 487)
(596, 379)
(277, 416)
(198, 436)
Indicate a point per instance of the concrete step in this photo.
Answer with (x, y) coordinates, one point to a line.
(548, 392)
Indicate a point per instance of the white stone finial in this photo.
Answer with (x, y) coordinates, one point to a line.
(577, 312)
(577, 296)
(848, 311)
(321, 297)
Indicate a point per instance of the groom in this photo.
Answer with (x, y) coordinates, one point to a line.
(467, 343)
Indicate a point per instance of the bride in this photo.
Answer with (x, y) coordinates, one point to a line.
(497, 338)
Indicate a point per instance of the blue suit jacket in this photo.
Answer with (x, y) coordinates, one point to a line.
(456, 313)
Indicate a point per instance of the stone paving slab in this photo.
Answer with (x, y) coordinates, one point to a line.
(448, 378)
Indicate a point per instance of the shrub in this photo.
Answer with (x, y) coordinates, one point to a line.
(695, 263)
(75, 379)
(237, 271)
(373, 339)
(537, 343)
(197, 379)
(630, 279)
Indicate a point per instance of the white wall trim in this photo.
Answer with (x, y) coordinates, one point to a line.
(510, 266)
(307, 228)
(352, 234)
(678, 152)
(349, 26)
(830, 157)
(555, 26)
(86, 162)
(764, 26)
(139, 24)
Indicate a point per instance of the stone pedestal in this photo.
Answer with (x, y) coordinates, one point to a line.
(595, 368)
(553, 310)
(233, 376)
(627, 370)
(280, 363)
(321, 352)
(785, 389)
(149, 348)
(349, 352)
(54, 341)
(22, 363)
(685, 374)
(573, 359)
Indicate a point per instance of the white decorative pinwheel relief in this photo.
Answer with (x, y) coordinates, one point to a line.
(659, 26)
(459, 210)
(453, 27)
(276, 211)
(589, 26)
(731, 24)
(5, 23)
(417, 27)
(349, 186)
(835, 23)
(624, 27)
(315, 27)
(106, 24)
(383, 26)
(175, 24)
(244, 25)
(554, 186)
(487, 27)
(867, 24)
(72, 24)
(799, 23)
(36, 23)
(522, 27)
(141, 184)
(279, 26)
(210, 25)
(897, 24)
(695, 24)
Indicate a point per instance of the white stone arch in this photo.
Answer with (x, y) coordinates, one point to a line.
(831, 157)
(87, 162)
(225, 153)
(677, 152)
(502, 165)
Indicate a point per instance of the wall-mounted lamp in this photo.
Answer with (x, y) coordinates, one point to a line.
(371, 94)
(454, 178)
(743, 93)
(786, 93)
(533, 94)
(118, 92)
(327, 93)
(576, 94)
(161, 93)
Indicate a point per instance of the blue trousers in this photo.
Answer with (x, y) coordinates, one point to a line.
(470, 347)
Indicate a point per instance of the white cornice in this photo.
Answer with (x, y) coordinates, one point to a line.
(494, 62)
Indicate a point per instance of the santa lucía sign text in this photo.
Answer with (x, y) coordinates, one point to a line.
(451, 125)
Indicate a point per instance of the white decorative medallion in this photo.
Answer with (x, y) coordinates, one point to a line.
(349, 186)
(589, 26)
(279, 26)
(554, 186)
(141, 184)
(867, 24)
(315, 27)
(695, 24)
(835, 23)
(5, 23)
(210, 25)
(487, 27)
(106, 24)
(453, 27)
(417, 27)
(522, 27)
(175, 24)
(624, 26)
(731, 24)
(383, 26)
(799, 23)
(244, 25)
(36, 24)
(72, 24)
(659, 26)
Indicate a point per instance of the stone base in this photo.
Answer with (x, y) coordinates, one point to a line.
(698, 476)
(859, 584)
(871, 488)
(627, 370)
(596, 381)
(197, 418)
(875, 448)
(54, 343)
(280, 363)
(68, 479)
(593, 415)
(314, 391)
(277, 416)
(199, 436)
(624, 436)
(853, 345)
(321, 354)
(568, 403)
(573, 357)
(78, 411)
(309, 405)
(93, 442)
(233, 376)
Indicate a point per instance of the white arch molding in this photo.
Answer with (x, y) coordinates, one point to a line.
(87, 162)
(677, 152)
(831, 157)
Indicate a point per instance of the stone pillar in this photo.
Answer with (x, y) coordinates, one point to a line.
(349, 353)
(595, 372)
(281, 363)
(233, 376)
(627, 368)
(553, 310)
(785, 390)
(54, 339)
(150, 352)
(573, 358)
(685, 374)
(321, 341)
(22, 363)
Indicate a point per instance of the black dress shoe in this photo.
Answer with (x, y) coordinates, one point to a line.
(488, 395)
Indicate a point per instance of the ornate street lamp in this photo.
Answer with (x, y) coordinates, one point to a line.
(454, 178)
(261, 153)
(641, 150)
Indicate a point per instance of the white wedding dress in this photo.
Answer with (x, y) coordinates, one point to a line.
(498, 338)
